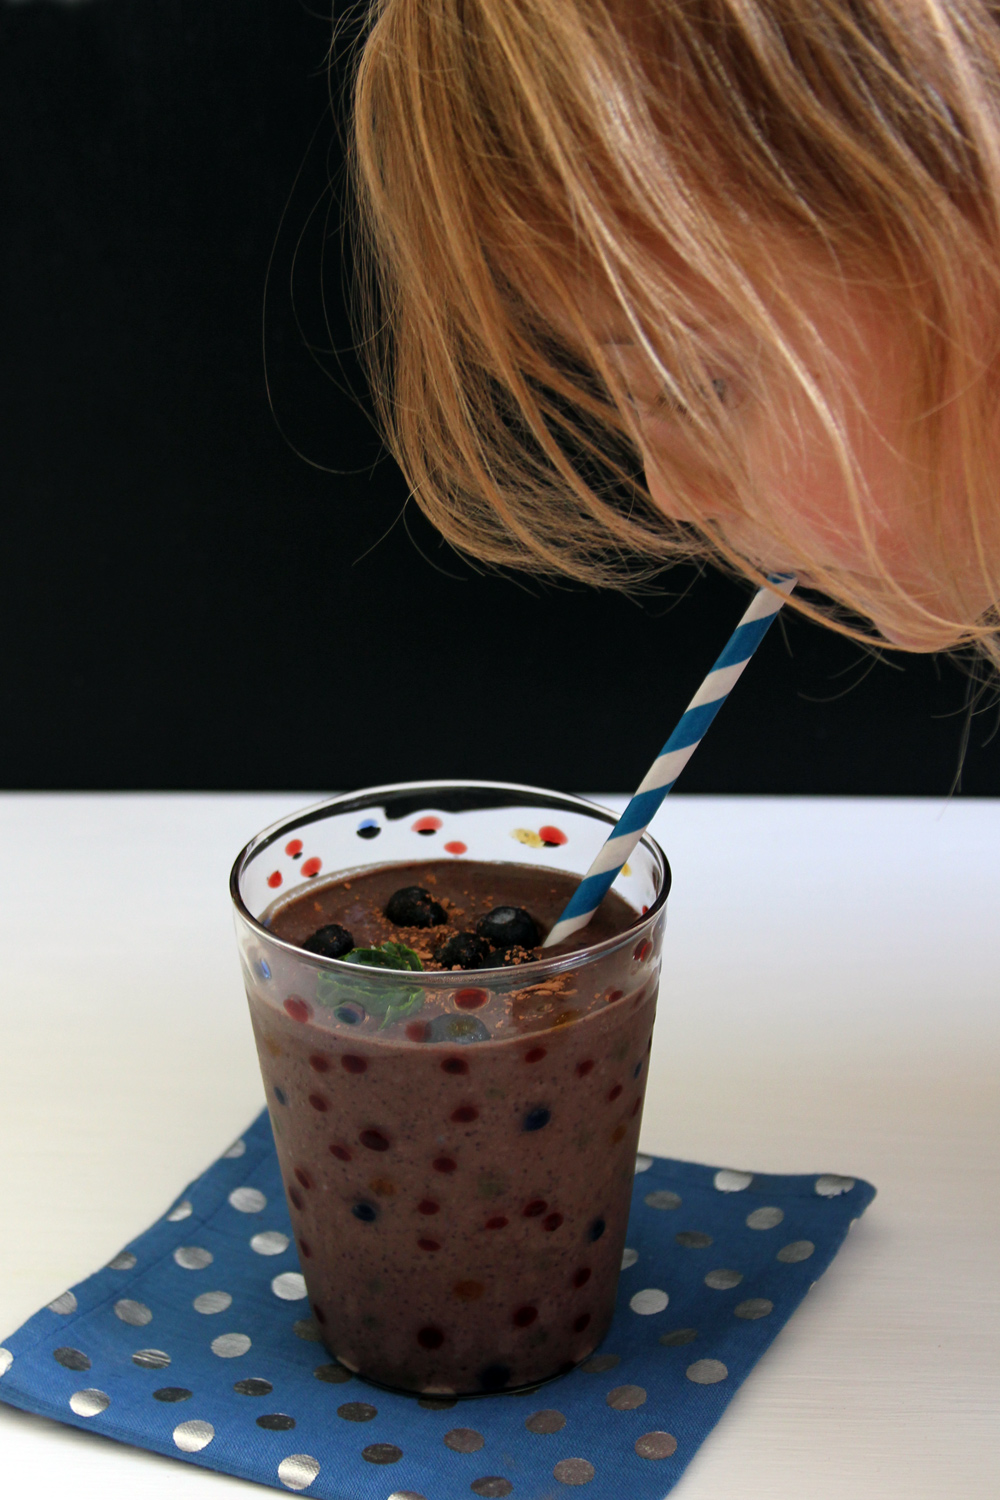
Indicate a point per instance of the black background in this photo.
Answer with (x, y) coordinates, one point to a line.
(191, 598)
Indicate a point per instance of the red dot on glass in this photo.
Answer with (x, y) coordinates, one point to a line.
(471, 999)
(552, 1222)
(643, 951)
(426, 825)
(534, 1055)
(499, 1222)
(293, 847)
(374, 1140)
(430, 1338)
(445, 1164)
(645, 909)
(319, 1063)
(318, 1102)
(581, 1277)
(456, 847)
(305, 1248)
(581, 1322)
(274, 879)
(303, 1176)
(342, 1153)
(318, 1313)
(465, 1114)
(296, 1197)
(615, 1093)
(585, 1067)
(297, 1008)
(551, 835)
(418, 1031)
(534, 1208)
(428, 1245)
(454, 1065)
(613, 996)
(524, 1317)
(428, 1206)
(636, 1108)
(352, 1064)
(312, 866)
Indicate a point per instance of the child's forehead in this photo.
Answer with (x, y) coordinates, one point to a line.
(648, 290)
(615, 324)
(623, 279)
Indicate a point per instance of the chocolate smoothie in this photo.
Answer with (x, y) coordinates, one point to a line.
(458, 1158)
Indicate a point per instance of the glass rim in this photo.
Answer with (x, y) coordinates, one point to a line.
(360, 800)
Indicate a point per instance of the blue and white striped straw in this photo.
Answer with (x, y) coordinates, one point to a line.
(672, 759)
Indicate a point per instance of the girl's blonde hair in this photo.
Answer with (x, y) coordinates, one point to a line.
(521, 162)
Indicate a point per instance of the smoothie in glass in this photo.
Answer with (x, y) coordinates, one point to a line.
(457, 1143)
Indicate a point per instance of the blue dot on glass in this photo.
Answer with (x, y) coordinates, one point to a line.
(350, 1014)
(637, 1069)
(366, 1212)
(265, 972)
(495, 1377)
(369, 829)
(537, 1119)
(279, 1094)
(596, 1229)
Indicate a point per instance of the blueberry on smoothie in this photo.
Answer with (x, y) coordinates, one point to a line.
(332, 941)
(509, 927)
(464, 951)
(412, 906)
(509, 958)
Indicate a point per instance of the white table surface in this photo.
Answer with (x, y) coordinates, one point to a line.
(829, 1003)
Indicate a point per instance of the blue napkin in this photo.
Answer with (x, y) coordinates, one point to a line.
(196, 1341)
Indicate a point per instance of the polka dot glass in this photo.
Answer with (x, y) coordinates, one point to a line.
(457, 1144)
(215, 1358)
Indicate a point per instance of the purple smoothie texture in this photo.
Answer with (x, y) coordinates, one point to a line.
(460, 1190)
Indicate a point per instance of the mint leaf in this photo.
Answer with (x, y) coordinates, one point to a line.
(387, 955)
(401, 1005)
(391, 1003)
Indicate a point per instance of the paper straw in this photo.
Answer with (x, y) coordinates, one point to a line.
(672, 759)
